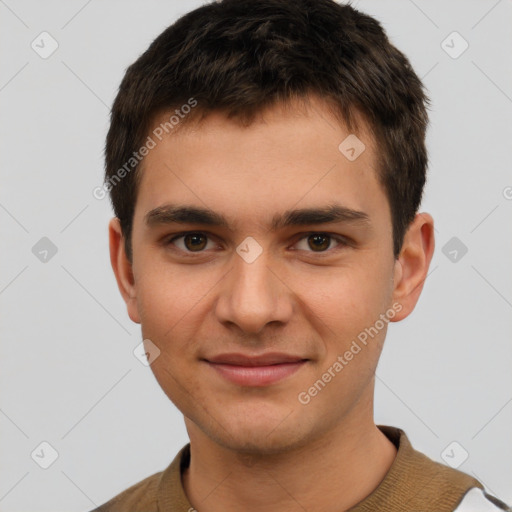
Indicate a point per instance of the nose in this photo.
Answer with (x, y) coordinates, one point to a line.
(254, 295)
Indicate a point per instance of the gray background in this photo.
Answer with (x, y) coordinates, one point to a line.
(68, 375)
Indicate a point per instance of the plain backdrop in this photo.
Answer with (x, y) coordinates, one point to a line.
(68, 376)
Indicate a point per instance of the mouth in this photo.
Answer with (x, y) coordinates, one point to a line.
(256, 371)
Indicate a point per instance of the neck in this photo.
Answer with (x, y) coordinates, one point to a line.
(334, 472)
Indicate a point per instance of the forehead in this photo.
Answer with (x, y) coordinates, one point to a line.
(289, 156)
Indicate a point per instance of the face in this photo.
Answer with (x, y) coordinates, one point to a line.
(268, 297)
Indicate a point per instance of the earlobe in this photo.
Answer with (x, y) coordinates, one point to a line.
(122, 269)
(411, 268)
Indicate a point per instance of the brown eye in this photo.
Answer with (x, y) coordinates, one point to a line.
(319, 242)
(195, 242)
(192, 242)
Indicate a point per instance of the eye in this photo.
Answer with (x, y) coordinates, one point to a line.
(316, 242)
(192, 242)
(319, 242)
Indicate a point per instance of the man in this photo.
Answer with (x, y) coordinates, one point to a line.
(266, 162)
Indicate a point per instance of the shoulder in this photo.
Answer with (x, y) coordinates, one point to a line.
(426, 484)
(158, 492)
(413, 468)
(477, 500)
(141, 496)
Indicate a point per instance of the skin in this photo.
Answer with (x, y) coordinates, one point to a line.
(261, 448)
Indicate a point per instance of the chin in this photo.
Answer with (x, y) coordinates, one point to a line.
(254, 442)
(257, 433)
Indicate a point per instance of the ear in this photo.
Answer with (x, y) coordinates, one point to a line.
(411, 267)
(122, 269)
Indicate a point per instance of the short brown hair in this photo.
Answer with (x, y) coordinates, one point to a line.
(242, 56)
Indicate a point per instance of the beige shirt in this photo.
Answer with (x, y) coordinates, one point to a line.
(413, 483)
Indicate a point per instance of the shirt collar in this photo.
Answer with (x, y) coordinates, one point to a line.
(410, 483)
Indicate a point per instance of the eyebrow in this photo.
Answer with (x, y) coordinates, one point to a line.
(334, 213)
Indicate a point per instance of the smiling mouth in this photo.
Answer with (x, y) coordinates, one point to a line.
(257, 371)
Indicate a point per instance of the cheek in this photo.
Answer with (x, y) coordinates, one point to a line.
(169, 304)
(169, 296)
(345, 299)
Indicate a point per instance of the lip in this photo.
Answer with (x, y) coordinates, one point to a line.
(256, 371)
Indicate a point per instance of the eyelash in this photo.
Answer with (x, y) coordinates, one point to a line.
(342, 242)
